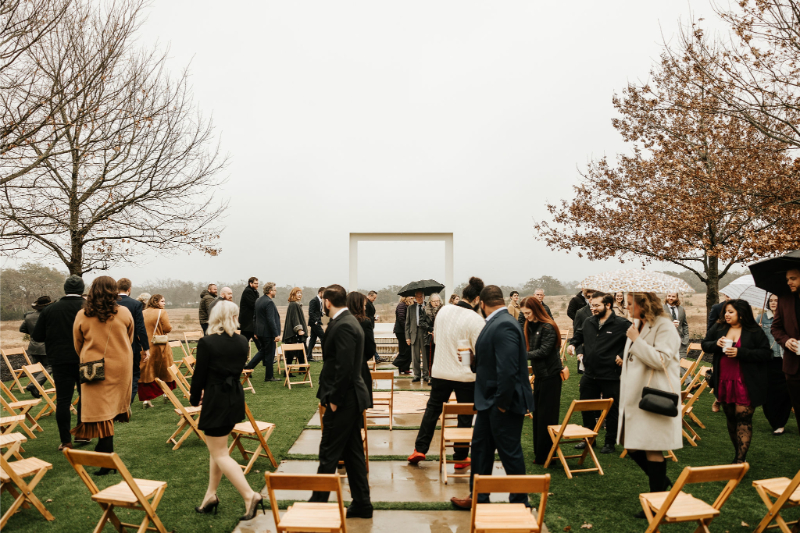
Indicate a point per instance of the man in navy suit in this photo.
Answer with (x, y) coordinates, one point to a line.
(267, 331)
(315, 310)
(502, 395)
(140, 342)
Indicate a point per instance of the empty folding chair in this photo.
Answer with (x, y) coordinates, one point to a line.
(516, 517)
(48, 394)
(566, 433)
(20, 407)
(247, 373)
(307, 516)
(17, 372)
(304, 369)
(9, 423)
(382, 398)
(8, 442)
(786, 494)
(12, 480)
(453, 437)
(686, 411)
(192, 336)
(180, 381)
(188, 363)
(188, 418)
(252, 429)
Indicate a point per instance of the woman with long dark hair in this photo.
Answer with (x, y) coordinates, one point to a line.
(543, 342)
(357, 304)
(103, 331)
(741, 357)
(295, 330)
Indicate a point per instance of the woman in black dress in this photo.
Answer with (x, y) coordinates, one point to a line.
(357, 304)
(295, 330)
(221, 356)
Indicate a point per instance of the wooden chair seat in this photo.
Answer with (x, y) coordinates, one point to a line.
(786, 494)
(8, 423)
(456, 434)
(122, 495)
(247, 427)
(191, 410)
(305, 516)
(255, 430)
(12, 480)
(777, 486)
(685, 507)
(12, 441)
(24, 468)
(24, 403)
(574, 431)
(508, 517)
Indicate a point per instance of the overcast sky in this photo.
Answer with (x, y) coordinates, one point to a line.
(441, 116)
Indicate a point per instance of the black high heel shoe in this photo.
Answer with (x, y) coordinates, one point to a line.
(252, 513)
(208, 507)
(104, 472)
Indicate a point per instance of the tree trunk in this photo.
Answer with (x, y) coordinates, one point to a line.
(712, 284)
(75, 264)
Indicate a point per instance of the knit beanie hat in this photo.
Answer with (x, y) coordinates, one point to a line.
(74, 285)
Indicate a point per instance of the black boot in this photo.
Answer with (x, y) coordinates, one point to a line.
(657, 472)
(640, 458)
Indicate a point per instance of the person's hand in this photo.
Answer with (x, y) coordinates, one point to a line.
(408, 341)
(632, 333)
(571, 349)
(501, 409)
(618, 360)
(792, 344)
(731, 352)
(721, 342)
(277, 339)
(300, 332)
(255, 336)
(333, 407)
(146, 355)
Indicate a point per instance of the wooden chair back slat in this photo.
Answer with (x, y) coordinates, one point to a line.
(458, 409)
(382, 375)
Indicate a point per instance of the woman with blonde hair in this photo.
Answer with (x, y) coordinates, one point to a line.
(144, 298)
(103, 334)
(221, 356)
(156, 322)
(294, 329)
(651, 359)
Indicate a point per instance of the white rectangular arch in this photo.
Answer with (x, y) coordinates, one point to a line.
(447, 238)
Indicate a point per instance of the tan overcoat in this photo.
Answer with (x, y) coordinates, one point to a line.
(160, 354)
(657, 343)
(104, 400)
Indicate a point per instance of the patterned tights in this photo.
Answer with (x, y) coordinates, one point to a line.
(740, 428)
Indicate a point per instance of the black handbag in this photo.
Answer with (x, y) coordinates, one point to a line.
(94, 370)
(658, 401)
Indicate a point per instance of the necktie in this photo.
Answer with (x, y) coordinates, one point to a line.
(674, 316)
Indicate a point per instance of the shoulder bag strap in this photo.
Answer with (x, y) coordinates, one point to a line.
(669, 381)
(155, 330)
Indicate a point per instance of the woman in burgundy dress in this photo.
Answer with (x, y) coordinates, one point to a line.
(741, 357)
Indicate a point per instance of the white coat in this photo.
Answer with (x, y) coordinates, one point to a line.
(657, 344)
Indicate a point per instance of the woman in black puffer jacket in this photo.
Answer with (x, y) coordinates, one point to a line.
(543, 340)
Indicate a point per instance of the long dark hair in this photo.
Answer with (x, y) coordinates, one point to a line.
(745, 312)
(102, 299)
(540, 315)
(356, 303)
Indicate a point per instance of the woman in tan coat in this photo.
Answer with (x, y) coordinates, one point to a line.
(651, 359)
(156, 322)
(103, 330)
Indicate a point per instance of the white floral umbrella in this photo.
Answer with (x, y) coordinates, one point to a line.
(630, 280)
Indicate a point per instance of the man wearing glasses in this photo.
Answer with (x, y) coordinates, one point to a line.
(601, 343)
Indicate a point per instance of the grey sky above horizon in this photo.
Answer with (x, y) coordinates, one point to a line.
(361, 116)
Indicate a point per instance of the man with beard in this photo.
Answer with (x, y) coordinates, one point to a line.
(247, 307)
(267, 331)
(601, 341)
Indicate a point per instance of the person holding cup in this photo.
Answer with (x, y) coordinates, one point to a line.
(741, 358)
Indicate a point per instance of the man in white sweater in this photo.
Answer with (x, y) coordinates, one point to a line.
(449, 374)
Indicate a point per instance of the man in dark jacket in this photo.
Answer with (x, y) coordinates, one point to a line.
(315, 311)
(578, 302)
(206, 297)
(247, 306)
(370, 312)
(601, 344)
(345, 396)
(266, 332)
(786, 331)
(140, 342)
(716, 311)
(502, 395)
(54, 329)
(36, 350)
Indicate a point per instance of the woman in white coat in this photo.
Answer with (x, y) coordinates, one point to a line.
(652, 358)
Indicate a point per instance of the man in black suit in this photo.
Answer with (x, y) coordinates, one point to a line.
(315, 310)
(370, 312)
(344, 394)
(502, 395)
(247, 307)
(716, 310)
(54, 329)
(266, 332)
(140, 342)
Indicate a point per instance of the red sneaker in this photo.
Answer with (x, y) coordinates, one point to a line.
(462, 466)
(416, 457)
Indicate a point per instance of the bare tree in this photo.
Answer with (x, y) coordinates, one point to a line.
(136, 166)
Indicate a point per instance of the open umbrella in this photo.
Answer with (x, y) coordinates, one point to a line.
(427, 286)
(630, 280)
(744, 288)
(770, 274)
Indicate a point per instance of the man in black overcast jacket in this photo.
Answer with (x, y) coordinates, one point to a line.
(345, 396)
(601, 341)
(266, 331)
(140, 342)
(247, 307)
(578, 302)
(54, 329)
(315, 323)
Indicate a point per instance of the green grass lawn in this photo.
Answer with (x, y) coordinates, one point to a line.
(606, 502)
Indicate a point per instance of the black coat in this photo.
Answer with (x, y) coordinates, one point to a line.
(400, 320)
(315, 312)
(247, 308)
(543, 352)
(220, 360)
(580, 317)
(266, 320)
(370, 311)
(369, 351)
(140, 341)
(295, 322)
(342, 360)
(576, 303)
(754, 357)
(600, 345)
(54, 329)
(714, 314)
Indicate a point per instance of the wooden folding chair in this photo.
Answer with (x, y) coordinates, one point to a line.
(20, 407)
(177, 344)
(188, 363)
(364, 437)
(255, 430)
(247, 373)
(9, 423)
(192, 336)
(16, 373)
(8, 441)
(302, 368)
(516, 517)
(306, 516)
(786, 494)
(130, 493)
(678, 506)
(567, 432)
(180, 381)
(686, 410)
(453, 437)
(188, 418)
(382, 398)
(48, 394)
(12, 480)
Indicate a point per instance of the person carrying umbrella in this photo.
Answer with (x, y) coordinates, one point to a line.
(417, 324)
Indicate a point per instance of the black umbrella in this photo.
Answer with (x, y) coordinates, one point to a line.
(770, 274)
(427, 286)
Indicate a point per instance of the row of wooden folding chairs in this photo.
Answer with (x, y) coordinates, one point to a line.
(16, 407)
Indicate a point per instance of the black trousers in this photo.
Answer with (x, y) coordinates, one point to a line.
(65, 377)
(266, 353)
(793, 386)
(594, 389)
(316, 333)
(547, 402)
(403, 359)
(778, 404)
(440, 393)
(341, 439)
(495, 430)
(137, 372)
